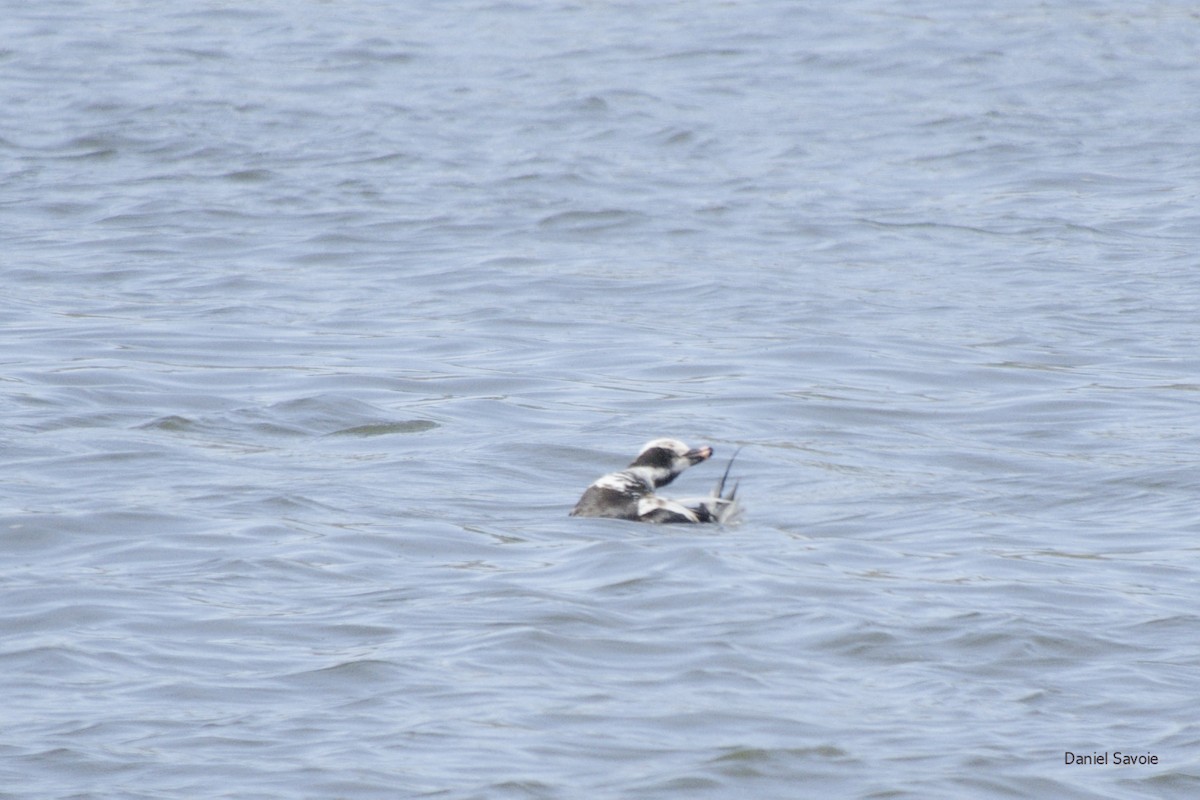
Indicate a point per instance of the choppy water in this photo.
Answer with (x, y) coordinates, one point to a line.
(318, 318)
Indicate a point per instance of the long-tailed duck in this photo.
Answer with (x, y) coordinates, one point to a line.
(629, 494)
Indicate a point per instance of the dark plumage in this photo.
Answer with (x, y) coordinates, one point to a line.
(629, 494)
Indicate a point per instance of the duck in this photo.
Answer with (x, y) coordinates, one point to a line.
(630, 493)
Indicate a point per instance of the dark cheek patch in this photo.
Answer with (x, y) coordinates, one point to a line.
(658, 457)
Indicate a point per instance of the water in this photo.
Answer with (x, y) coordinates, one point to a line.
(320, 317)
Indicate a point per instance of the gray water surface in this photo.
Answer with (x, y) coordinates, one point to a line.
(319, 317)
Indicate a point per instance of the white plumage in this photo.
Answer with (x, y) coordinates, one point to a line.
(630, 493)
